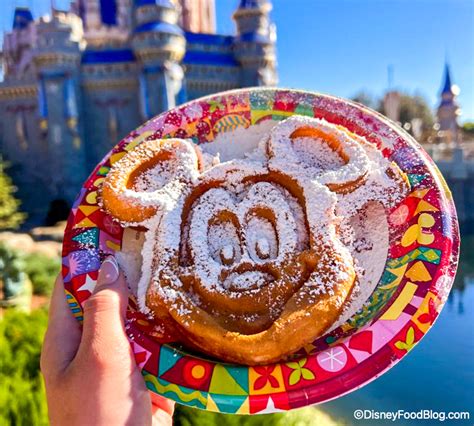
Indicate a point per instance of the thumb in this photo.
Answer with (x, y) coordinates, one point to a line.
(104, 314)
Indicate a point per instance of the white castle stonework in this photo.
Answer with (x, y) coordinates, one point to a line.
(77, 81)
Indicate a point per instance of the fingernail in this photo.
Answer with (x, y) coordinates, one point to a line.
(109, 271)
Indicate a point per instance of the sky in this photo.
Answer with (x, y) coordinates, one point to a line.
(340, 47)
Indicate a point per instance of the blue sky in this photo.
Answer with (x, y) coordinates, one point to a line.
(342, 46)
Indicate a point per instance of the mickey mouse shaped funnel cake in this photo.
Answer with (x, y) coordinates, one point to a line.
(245, 260)
(282, 248)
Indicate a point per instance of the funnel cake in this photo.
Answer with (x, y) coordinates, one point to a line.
(243, 260)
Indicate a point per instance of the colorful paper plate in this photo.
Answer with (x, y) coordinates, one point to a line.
(418, 275)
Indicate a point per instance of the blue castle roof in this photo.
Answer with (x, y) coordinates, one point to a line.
(210, 58)
(252, 4)
(107, 56)
(21, 18)
(225, 58)
(253, 38)
(165, 3)
(211, 39)
(447, 80)
(159, 27)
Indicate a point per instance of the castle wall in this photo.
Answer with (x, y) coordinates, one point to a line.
(22, 145)
(69, 96)
(110, 110)
(210, 65)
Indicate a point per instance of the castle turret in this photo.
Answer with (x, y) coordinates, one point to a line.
(198, 16)
(106, 22)
(21, 18)
(16, 45)
(159, 45)
(75, 82)
(255, 43)
(448, 109)
(56, 57)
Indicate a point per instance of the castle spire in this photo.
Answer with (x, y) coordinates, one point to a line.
(255, 42)
(252, 4)
(448, 109)
(22, 18)
(447, 86)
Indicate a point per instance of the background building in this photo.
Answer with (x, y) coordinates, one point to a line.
(449, 111)
(77, 81)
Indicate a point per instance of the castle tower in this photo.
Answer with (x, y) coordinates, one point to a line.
(56, 58)
(448, 109)
(255, 43)
(77, 81)
(106, 22)
(198, 16)
(16, 60)
(159, 45)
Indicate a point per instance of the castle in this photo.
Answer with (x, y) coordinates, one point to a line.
(448, 110)
(77, 81)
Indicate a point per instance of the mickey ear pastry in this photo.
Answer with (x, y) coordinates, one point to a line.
(149, 178)
(246, 261)
(353, 162)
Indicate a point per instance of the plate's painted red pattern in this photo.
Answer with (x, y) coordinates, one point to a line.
(418, 276)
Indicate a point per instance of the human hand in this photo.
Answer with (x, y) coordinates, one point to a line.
(91, 377)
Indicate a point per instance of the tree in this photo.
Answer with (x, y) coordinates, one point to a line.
(10, 216)
(309, 416)
(468, 128)
(365, 98)
(22, 396)
(415, 116)
(14, 283)
(23, 399)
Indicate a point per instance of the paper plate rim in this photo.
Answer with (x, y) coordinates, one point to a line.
(241, 395)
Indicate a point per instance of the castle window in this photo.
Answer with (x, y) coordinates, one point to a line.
(21, 130)
(108, 12)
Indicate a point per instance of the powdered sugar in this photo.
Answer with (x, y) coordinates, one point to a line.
(154, 178)
(130, 257)
(366, 234)
(284, 156)
(246, 280)
(239, 142)
(246, 219)
(316, 154)
(240, 228)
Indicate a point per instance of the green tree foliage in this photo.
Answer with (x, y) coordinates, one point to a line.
(42, 271)
(309, 416)
(412, 108)
(22, 397)
(415, 116)
(365, 98)
(468, 128)
(10, 216)
(12, 274)
(23, 400)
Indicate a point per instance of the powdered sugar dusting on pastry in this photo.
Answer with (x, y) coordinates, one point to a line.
(316, 153)
(268, 216)
(154, 178)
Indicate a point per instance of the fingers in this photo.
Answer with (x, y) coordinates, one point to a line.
(62, 336)
(161, 403)
(161, 418)
(104, 336)
(162, 410)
